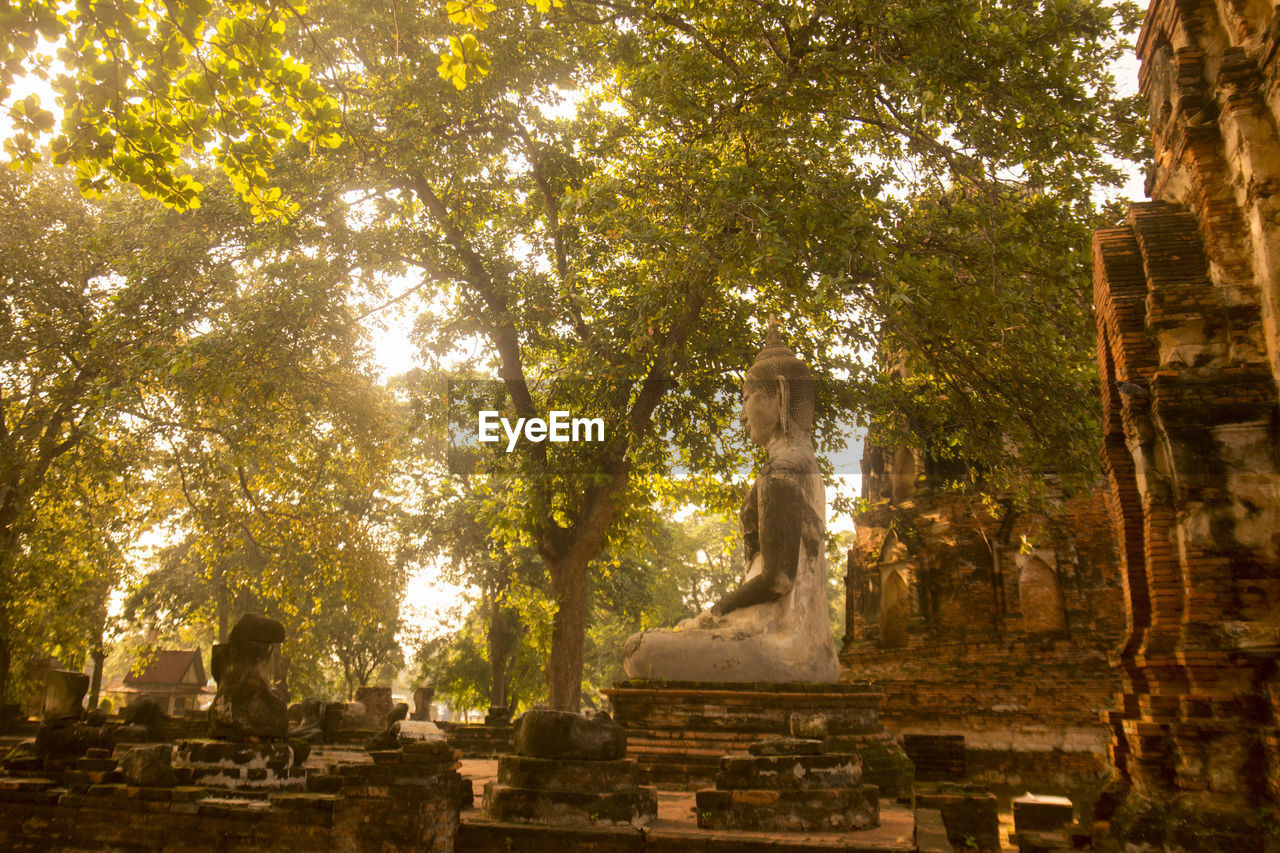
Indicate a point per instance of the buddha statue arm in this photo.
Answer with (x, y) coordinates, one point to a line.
(782, 511)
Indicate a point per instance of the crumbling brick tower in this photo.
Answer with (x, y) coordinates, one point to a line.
(1188, 299)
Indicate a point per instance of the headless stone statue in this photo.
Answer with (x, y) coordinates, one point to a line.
(775, 625)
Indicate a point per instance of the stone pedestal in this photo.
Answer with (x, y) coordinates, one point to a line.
(971, 816)
(422, 697)
(245, 705)
(788, 784)
(677, 731)
(569, 771)
(480, 741)
(377, 704)
(64, 695)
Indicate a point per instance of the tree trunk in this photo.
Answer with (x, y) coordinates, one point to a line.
(500, 639)
(224, 611)
(6, 660)
(99, 656)
(564, 669)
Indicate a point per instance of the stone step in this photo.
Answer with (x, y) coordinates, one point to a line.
(568, 775)
(798, 810)
(789, 772)
(532, 805)
(480, 835)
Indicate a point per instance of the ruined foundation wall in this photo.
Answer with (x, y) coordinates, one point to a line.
(970, 638)
(410, 803)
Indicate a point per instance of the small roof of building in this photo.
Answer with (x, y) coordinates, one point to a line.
(171, 666)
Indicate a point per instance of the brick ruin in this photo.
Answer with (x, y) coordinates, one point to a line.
(994, 662)
(1188, 294)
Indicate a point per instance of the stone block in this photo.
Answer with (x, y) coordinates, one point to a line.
(1041, 813)
(812, 810)
(239, 766)
(809, 725)
(570, 808)
(255, 628)
(521, 771)
(786, 746)
(63, 741)
(417, 731)
(377, 704)
(149, 766)
(970, 816)
(544, 733)
(486, 837)
(64, 695)
(789, 771)
(422, 697)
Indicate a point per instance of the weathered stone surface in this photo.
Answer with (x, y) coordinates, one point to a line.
(814, 810)
(809, 726)
(422, 697)
(480, 741)
(772, 627)
(149, 766)
(1041, 813)
(679, 730)
(64, 695)
(542, 733)
(377, 703)
(786, 746)
(787, 784)
(567, 775)
(399, 808)
(779, 772)
(415, 731)
(569, 808)
(306, 720)
(66, 740)
(255, 628)
(966, 625)
(498, 715)
(1188, 318)
(398, 712)
(224, 764)
(971, 817)
(403, 732)
(245, 705)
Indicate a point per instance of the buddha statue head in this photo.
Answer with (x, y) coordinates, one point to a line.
(777, 395)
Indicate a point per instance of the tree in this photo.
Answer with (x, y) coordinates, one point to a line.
(616, 204)
(278, 448)
(618, 250)
(140, 85)
(89, 314)
(668, 571)
(162, 370)
(452, 535)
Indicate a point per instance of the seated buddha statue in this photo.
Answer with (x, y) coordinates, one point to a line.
(775, 625)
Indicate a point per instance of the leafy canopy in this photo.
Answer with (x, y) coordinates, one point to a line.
(141, 82)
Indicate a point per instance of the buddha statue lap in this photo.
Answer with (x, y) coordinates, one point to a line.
(775, 625)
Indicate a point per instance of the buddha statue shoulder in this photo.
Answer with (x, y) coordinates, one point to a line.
(774, 626)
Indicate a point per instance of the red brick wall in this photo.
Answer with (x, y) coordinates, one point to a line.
(1027, 702)
(1187, 292)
